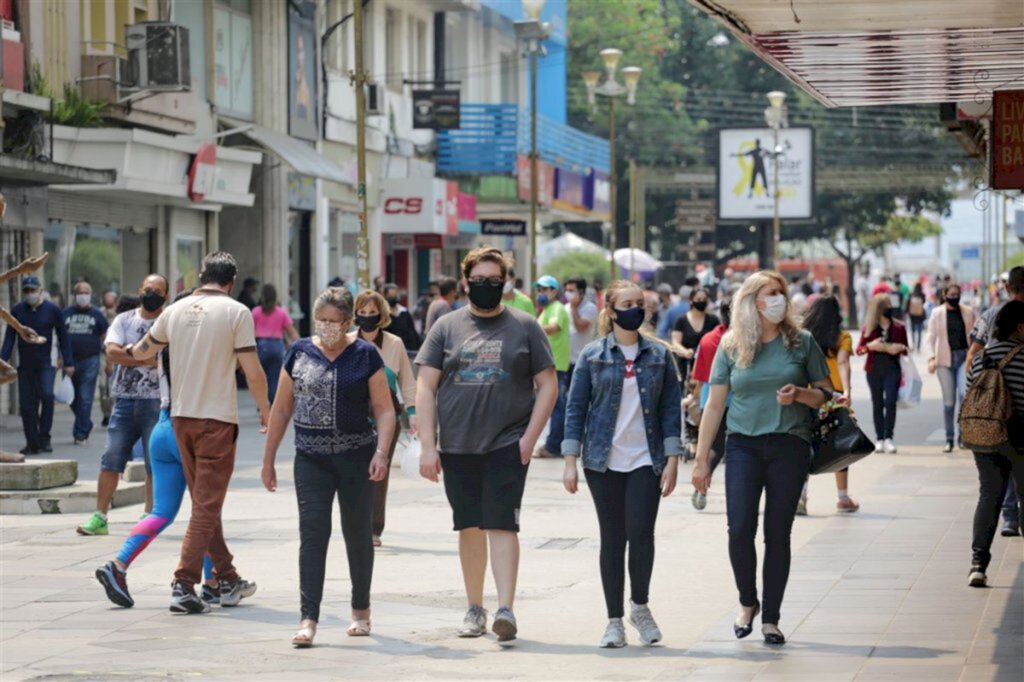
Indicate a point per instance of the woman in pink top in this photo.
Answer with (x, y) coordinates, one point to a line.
(273, 324)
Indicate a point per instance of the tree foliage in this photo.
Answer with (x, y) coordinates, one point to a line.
(591, 266)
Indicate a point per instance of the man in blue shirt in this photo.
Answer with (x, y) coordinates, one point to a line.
(668, 320)
(85, 325)
(35, 370)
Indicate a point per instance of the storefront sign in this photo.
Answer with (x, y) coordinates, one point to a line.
(461, 242)
(545, 180)
(302, 73)
(301, 192)
(746, 185)
(403, 241)
(202, 175)
(467, 206)
(506, 228)
(435, 109)
(568, 189)
(595, 193)
(1008, 139)
(428, 241)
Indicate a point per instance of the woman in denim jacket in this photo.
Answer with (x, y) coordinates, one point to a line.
(623, 411)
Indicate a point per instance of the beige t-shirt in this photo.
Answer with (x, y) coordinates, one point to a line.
(205, 331)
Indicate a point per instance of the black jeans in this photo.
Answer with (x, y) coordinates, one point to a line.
(995, 473)
(777, 464)
(885, 387)
(318, 479)
(627, 508)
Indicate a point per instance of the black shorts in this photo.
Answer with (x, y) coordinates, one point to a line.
(485, 491)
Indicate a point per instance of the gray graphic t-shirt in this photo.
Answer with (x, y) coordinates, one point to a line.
(132, 382)
(486, 394)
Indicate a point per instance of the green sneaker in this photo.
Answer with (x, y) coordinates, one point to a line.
(96, 525)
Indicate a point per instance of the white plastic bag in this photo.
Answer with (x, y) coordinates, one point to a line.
(910, 383)
(411, 460)
(64, 390)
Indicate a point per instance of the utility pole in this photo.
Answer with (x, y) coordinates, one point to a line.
(613, 191)
(533, 167)
(359, 79)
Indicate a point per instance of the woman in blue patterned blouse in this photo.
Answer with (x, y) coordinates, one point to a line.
(331, 384)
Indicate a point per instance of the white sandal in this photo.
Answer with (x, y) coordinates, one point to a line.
(303, 638)
(359, 628)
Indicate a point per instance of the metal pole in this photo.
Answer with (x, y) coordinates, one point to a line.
(613, 180)
(775, 217)
(633, 236)
(533, 162)
(359, 79)
(1006, 236)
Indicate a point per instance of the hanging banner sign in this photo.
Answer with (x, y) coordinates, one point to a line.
(746, 184)
(435, 109)
(1008, 139)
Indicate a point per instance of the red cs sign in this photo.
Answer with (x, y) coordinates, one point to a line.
(403, 206)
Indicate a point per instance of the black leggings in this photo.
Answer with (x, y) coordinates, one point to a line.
(318, 479)
(995, 473)
(627, 507)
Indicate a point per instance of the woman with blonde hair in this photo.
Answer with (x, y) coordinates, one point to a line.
(623, 413)
(767, 362)
(883, 340)
(373, 315)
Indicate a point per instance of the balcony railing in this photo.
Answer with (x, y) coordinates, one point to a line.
(493, 134)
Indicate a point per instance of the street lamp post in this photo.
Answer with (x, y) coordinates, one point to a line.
(612, 89)
(532, 30)
(776, 118)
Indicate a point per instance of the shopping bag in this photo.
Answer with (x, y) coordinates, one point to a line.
(64, 390)
(410, 462)
(839, 442)
(910, 383)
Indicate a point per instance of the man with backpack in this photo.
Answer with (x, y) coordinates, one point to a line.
(992, 426)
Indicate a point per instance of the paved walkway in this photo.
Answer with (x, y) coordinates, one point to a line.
(877, 595)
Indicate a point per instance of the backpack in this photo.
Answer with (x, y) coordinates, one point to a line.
(916, 306)
(987, 407)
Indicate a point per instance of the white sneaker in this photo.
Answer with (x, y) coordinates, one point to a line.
(640, 617)
(880, 447)
(890, 447)
(614, 634)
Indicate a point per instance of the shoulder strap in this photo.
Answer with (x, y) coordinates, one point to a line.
(1009, 356)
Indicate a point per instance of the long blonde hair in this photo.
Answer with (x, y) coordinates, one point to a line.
(878, 304)
(743, 340)
(605, 321)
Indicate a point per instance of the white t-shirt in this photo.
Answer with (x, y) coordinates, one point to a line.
(629, 446)
(577, 339)
(132, 382)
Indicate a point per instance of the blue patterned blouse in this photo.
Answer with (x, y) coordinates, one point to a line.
(332, 399)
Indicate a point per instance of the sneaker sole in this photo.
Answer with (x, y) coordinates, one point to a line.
(82, 531)
(612, 645)
(1009, 533)
(466, 634)
(847, 511)
(976, 580)
(506, 630)
(113, 594)
(177, 608)
(229, 602)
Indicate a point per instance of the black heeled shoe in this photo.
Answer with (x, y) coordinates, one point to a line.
(742, 631)
(773, 638)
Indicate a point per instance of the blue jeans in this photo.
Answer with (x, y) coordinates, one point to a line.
(778, 465)
(953, 381)
(132, 419)
(271, 355)
(556, 432)
(885, 388)
(84, 381)
(1010, 513)
(35, 399)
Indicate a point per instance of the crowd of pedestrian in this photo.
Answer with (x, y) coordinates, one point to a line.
(625, 381)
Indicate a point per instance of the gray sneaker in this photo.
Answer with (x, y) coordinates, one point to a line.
(640, 617)
(699, 500)
(475, 622)
(614, 634)
(505, 625)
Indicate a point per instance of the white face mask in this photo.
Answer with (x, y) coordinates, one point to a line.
(570, 295)
(33, 298)
(83, 300)
(774, 308)
(509, 285)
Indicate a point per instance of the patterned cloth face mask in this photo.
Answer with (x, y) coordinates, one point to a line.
(330, 333)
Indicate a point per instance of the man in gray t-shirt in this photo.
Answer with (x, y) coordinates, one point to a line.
(487, 378)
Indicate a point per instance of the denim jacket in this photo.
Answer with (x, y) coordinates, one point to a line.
(596, 392)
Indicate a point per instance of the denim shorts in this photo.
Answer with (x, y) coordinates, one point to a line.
(132, 419)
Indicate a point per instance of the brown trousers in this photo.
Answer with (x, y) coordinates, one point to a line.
(207, 449)
(380, 488)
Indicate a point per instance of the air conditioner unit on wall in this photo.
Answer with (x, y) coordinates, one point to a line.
(374, 99)
(157, 57)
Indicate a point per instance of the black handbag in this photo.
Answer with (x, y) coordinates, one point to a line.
(838, 442)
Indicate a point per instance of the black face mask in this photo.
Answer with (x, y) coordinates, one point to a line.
(889, 313)
(368, 322)
(485, 296)
(152, 301)
(630, 319)
(953, 300)
(393, 302)
(700, 306)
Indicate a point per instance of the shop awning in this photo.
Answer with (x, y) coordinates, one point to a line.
(297, 154)
(33, 172)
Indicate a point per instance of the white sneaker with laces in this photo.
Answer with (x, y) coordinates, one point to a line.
(614, 635)
(890, 447)
(640, 617)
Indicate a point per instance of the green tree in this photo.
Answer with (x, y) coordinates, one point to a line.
(591, 266)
